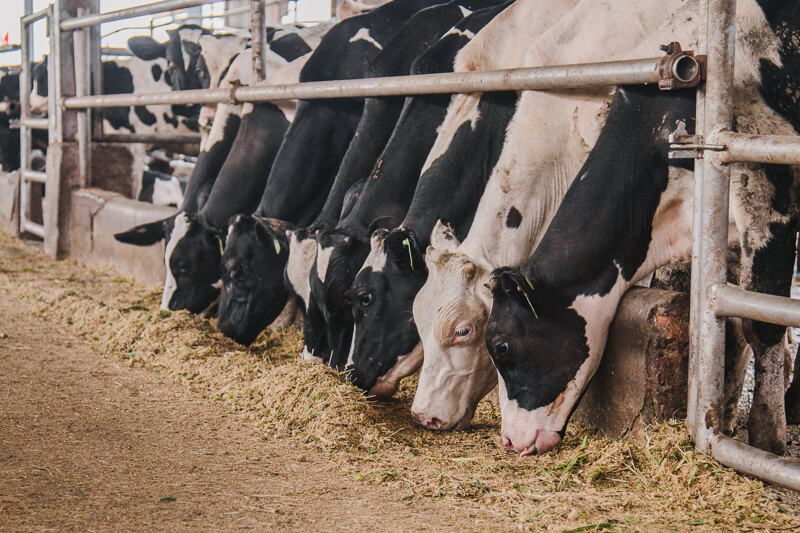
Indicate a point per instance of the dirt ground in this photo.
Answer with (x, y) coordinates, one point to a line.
(117, 416)
(87, 443)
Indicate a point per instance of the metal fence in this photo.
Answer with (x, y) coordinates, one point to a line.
(712, 300)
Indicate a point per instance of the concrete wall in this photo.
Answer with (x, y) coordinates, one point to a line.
(96, 215)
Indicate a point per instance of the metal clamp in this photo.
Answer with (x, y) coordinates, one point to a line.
(682, 145)
(680, 69)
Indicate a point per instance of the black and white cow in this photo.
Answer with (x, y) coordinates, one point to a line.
(550, 317)
(392, 179)
(526, 187)
(385, 346)
(305, 167)
(229, 178)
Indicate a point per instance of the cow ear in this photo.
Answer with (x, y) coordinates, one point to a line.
(384, 223)
(443, 238)
(146, 234)
(401, 246)
(147, 48)
(269, 238)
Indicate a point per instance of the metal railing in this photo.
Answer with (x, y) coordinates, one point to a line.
(712, 299)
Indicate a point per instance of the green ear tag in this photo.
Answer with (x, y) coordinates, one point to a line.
(530, 304)
(221, 245)
(410, 257)
(277, 246)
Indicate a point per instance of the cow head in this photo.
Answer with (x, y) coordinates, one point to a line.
(451, 311)
(386, 345)
(192, 258)
(546, 347)
(253, 290)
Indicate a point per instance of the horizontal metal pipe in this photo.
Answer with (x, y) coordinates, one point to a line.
(733, 301)
(120, 14)
(149, 138)
(33, 227)
(33, 175)
(758, 463)
(33, 17)
(771, 149)
(106, 51)
(32, 123)
(9, 48)
(630, 72)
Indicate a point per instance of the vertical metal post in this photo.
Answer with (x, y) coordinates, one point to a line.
(25, 139)
(54, 74)
(82, 48)
(258, 36)
(715, 106)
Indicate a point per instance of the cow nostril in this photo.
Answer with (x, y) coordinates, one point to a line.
(432, 423)
(508, 444)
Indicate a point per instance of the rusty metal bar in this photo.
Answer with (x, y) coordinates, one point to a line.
(629, 72)
(706, 373)
(120, 14)
(154, 138)
(258, 39)
(768, 149)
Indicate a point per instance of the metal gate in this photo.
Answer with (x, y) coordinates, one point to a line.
(712, 299)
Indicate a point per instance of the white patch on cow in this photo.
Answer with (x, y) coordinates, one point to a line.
(464, 11)
(323, 258)
(463, 108)
(38, 103)
(179, 231)
(310, 357)
(376, 259)
(218, 51)
(298, 266)
(363, 35)
(406, 365)
(456, 31)
(167, 192)
(351, 354)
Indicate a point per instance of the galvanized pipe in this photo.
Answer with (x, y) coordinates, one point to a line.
(706, 367)
(120, 14)
(33, 175)
(768, 149)
(155, 138)
(32, 123)
(26, 39)
(33, 17)
(107, 51)
(9, 48)
(758, 463)
(629, 72)
(31, 227)
(54, 112)
(733, 301)
(258, 39)
(82, 58)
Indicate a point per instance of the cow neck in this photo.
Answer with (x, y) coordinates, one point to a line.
(242, 177)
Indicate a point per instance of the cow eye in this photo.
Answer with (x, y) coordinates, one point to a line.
(181, 269)
(463, 331)
(365, 298)
(501, 349)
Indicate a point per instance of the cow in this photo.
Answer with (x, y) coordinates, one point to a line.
(306, 165)
(519, 201)
(390, 186)
(550, 316)
(385, 346)
(229, 177)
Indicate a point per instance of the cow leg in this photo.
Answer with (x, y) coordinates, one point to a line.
(737, 360)
(764, 207)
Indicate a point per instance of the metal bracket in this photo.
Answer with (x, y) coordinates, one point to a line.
(680, 69)
(682, 145)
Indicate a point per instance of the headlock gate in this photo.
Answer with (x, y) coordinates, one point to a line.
(73, 94)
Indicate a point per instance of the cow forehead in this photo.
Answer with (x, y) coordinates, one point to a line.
(376, 259)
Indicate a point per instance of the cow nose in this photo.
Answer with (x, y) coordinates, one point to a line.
(428, 422)
(234, 269)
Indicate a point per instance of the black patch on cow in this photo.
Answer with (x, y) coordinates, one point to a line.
(271, 30)
(171, 120)
(117, 80)
(780, 85)
(227, 67)
(191, 124)
(290, 47)
(514, 218)
(156, 70)
(145, 115)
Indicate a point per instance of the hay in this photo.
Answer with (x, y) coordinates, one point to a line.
(588, 482)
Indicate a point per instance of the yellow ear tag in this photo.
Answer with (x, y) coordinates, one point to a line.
(277, 246)
(221, 245)
(529, 300)
(410, 257)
